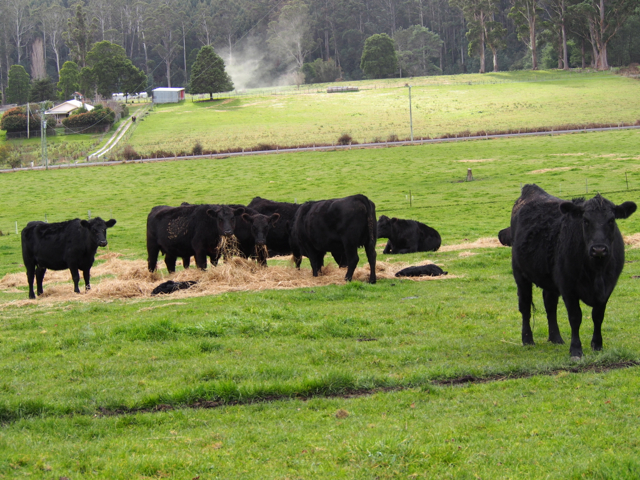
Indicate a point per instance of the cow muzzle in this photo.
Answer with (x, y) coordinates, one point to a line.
(102, 243)
(599, 251)
(228, 233)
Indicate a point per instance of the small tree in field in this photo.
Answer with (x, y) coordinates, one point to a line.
(379, 57)
(208, 74)
(69, 82)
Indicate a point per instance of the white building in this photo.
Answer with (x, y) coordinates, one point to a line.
(64, 109)
(168, 95)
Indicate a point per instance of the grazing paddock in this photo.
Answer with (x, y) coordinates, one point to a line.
(323, 380)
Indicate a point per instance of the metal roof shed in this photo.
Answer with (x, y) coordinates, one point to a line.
(168, 95)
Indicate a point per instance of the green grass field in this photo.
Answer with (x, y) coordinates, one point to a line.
(103, 389)
(439, 108)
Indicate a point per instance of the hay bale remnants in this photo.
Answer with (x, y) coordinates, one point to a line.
(124, 279)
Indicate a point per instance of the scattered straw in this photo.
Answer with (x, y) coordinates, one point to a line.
(633, 240)
(228, 246)
(478, 160)
(121, 279)
(487, 242)
(161, 306)
(466, 254)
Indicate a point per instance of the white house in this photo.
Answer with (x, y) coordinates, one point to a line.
(64, 109)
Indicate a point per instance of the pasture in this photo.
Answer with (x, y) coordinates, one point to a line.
(441, 105)
(346, 380)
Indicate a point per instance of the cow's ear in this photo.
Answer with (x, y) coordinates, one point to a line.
(570, 208)
(111, 223)
(383, 217)
(247, 218)
(274, 218)
(624, 210)
(213, 212)
(394, 219)
(85, 224)
(238, 211)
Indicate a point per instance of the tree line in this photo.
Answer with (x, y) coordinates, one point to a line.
(265, 42)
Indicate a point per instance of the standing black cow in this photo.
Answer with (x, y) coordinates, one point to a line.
(407, 236)
(278, 237)
(252, 231)
(58, 246)
(188, 230)
(338, 225)
(573, 249)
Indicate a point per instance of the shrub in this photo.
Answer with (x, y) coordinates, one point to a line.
(392, 138)
(104, 116)
(129, 153)
(15, 120)
(345, 139)
(197, 149)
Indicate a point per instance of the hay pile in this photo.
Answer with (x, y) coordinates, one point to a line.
(117, 278)
(487, 242)
(633, 241)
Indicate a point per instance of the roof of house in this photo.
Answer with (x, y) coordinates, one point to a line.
(168, 89)
(67, 107)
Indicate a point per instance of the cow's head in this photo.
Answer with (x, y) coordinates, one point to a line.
(260, 225)
(385, 226)
(598, 218)
(226, 218)
(98, 229)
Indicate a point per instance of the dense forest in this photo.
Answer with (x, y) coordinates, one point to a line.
(271, 42)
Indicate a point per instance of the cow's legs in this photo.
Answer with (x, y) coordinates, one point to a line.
(75, 275)
(351, 253)
(370, 250)
(575, 320)
(201, 259)
(152, 255)
(551, 307)
(40, 271)
(317, 261)
(524, 305)
(388, 248)
(31, 270)
(86, 274)
(170, 262)
(186, 261)
(598, 316)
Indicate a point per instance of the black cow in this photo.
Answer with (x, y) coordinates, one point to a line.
(504, 236)
(278, 237)
(338, 225)
(569, 249)
(252, 230)
(407, 236)
(188, 230)
(58, 246)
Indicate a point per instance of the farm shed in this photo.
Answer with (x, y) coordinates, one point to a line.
(168, 95)
(63, 110)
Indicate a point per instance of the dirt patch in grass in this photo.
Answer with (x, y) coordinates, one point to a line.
(545, 170)
(121, 279)
(478, 160)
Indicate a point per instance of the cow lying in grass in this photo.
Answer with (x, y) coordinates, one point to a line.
(407, 236)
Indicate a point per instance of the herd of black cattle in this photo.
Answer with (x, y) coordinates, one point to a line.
(571, 249)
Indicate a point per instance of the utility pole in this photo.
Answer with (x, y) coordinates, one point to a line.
(410, 113)
(28, 118)
(43, 138)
